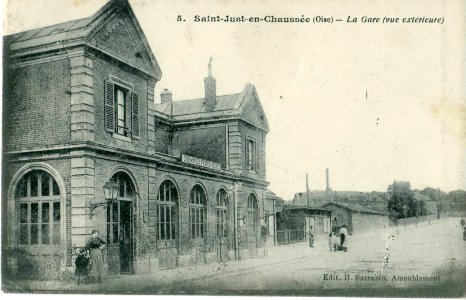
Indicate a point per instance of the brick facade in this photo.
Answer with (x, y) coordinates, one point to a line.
(37, 105)
(55, 117)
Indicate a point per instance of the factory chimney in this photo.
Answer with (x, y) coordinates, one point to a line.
(328, 189)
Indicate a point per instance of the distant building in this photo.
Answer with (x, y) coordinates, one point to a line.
(375, 200)
(398, 186)
(294, 223)
(273, 205)
(356, 217)
(343, 204)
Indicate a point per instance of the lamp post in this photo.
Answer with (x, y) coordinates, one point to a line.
(233, 189)
(404, 210)
(111, 189)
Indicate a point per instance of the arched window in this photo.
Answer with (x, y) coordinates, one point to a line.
(221, 207)
(197, 207)
(252, 215)
(39, 209)
(167, 211)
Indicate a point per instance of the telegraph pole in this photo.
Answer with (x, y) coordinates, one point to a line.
(307, 190)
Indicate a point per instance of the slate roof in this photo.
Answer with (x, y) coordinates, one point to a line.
(373, 202)
(232, 105)
(296, 207)
(186, 107)
(300, 199)
(271, 195)
(73, 33)
(355, 207)
(49, 34)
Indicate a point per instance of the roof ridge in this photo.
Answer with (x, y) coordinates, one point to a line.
(201, 98)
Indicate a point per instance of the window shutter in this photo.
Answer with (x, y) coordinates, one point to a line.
(246, 151)
(257, 156)
(109, 107)
(135, 117)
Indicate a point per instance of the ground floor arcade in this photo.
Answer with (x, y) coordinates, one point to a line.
(165, 215)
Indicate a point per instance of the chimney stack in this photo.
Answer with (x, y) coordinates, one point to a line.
(210, 90)
(166, 96)
(328, 180)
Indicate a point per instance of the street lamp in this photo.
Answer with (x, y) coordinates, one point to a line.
(111, 189)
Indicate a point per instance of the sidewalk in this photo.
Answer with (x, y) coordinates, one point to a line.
(171, 280)
(168, 279)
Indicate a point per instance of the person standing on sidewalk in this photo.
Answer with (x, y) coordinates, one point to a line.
(332, 241)
(96, 261)
(343, 238)
(311, 237)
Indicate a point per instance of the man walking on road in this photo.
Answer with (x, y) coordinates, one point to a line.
(311, 237)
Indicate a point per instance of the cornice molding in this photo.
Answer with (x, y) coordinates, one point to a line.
(92, 149)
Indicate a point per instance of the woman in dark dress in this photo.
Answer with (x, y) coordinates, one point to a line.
(96, 261)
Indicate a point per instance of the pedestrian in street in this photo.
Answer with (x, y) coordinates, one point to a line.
(311, 237)
(96, 262)
(82, 267)
(332, 241)
(343, 238)
(462, 223)
(464, 234)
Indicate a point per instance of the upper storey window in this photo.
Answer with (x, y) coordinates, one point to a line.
(121, 109)
(121, 104)
(251, 154)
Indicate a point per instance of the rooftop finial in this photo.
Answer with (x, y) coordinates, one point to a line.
(210, 67)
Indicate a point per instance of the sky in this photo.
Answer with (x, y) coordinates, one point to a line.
(372, 102)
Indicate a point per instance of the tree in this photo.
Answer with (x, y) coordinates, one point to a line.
(289, 219)
(401, 203)
(422, 208)
(438, 197)
(439, 208)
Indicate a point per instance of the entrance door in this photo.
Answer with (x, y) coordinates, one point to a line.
(126, 237)
(312, 223)
(167, 225)
(197, 222)
(120, 244)
(222, 225)
(251, 223)
(120, 237)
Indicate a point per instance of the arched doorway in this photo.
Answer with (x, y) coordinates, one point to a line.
(120, 227)
(167, 230)
(197, 224)
(222, 217)
(252, 224)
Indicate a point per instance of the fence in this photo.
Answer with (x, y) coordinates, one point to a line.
(288, 236)
(414, 220)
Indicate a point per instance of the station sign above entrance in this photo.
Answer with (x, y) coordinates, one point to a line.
(200, 162)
